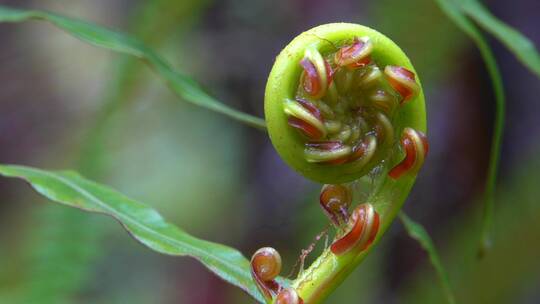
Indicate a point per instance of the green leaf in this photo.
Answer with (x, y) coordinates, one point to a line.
(181, 84)
(456, 15)
(50, 268)
(142, 222)
(517, 43)
(417, 232)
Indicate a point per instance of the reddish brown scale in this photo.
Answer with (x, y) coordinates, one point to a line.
(311, 83)
(425, 142)
(338, 161)
(358, 151)
(311, 108)
(354, 238)
(407, 73)
(288, 296)
(401, 89)
(379, 132)
(408, 162)
(306, 128)
(265, 267)
(374, 230)
(404, 91)
(358, 219)
(352, 50)
(325, 145)
(360, 63)
(329, 72)
(268, 288)
(335, 201)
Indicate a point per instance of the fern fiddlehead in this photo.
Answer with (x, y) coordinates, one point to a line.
(336, 100)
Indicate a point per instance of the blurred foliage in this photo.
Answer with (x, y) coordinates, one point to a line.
(419, 233)
(57, 256)
(511, 270)
(154, 22)
(433, 49)
(141, 221)
(181, 84)
(467, 26)
(516, 42)
(56, 243)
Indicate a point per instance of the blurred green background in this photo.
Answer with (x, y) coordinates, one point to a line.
(64, 104)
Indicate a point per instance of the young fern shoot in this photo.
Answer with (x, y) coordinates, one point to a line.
(335, 101)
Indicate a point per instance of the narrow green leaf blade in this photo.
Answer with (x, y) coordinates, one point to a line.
(458, 17)
(181, 84)
(516, 42)
(417, 232)
(142, 222)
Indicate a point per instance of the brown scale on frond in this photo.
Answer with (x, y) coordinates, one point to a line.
(345, 105)
(288, 296)
(416, 147)
(361, 231)
(265, 267)
(335, 201)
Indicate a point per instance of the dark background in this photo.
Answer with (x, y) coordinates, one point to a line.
(65, 104)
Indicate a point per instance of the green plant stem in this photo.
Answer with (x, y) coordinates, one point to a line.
(417, 232)
(453, 12)
(496, 144)
(328, 271)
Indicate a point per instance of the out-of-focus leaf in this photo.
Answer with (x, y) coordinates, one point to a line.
(517, 43)
(57, 257)
(417, 232)
(511, 272)
(154, 29)
(428, 48)
(458, 17)
(181, 84)
(142, 222)
(51, 268)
